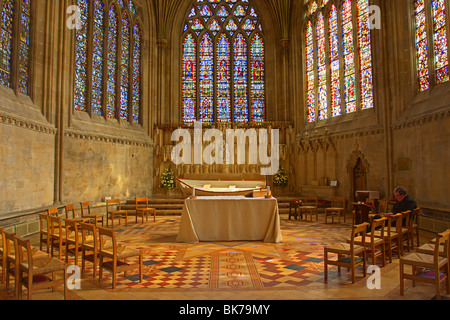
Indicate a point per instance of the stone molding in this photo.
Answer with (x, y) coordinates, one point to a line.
(108, 139)
(421, 120)
(27, 124)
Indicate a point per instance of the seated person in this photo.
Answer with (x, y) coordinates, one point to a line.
(405, 201)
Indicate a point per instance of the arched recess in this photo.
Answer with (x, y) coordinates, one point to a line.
(173, 73)
(356, 164)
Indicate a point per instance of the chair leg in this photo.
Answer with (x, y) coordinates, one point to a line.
(402, 286)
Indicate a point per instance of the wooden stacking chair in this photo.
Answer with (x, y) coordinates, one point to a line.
(44, 224)
(70, 211)
(115, 214)
(73, 240)
(349, 255)
(293, 206)
(311, 207)
(10, 245)
(428, 248)
(115, 257)
(391, 237)
(89, 246)
(57, 235)
(337, 209)
(404, 231)
(40, 270)
(414, 227)
(53, 212)
(86, 213)
(2, 255)
(429, 268)
(382, 206)
(143, 210)
(375, 241)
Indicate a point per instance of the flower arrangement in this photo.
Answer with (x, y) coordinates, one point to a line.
(280, 179)
(167, 179)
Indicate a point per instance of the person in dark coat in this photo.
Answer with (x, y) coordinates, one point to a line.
(404, 201)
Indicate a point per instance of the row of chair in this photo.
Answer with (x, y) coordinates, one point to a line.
(361, 246)
(95, 244)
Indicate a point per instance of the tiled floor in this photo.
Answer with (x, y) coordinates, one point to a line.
(292, 270)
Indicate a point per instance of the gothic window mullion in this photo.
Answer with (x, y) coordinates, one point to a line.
(430, 49)
(326, 33)
(105, 59)
(356, 50)
(15, 46)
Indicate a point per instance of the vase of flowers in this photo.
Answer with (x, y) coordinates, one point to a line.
(280, 181)
(168, 179)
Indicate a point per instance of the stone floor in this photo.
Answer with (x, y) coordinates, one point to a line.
(239, 271)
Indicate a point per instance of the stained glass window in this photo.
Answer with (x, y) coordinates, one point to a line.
(435, 46)
(125, 68)
(339, 77)
(349, 57)
(81, 57)
(136, 105)
(6, 37)
(310, 76)
(440, 41)
(114, 82)
(15, 44)
(97, 59)
(322, 102)
(334, 63)
(112, 62)
(15, 37)
(365, 54)
(223, 73)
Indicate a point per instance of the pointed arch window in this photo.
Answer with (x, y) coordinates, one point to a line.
(223, 65)
(108, 60)
(339, 77)
(15, 45)
(430, 18)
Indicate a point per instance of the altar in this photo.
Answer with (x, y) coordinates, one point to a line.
(230, 218)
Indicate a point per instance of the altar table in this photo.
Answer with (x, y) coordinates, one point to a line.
(230, 218)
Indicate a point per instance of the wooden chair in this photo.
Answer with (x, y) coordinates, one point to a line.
(115, 214)
(404, 231)
(73, 240)
(375, 242)
(348, 253)
(414, 227)
(391, 237)
(310, 207)
(382, 206)
(37, 270)
(2, 255)
(86, 213)
(10, 245)
(57, 236)
(337, 209)
(293, 206)
(428, 248)
(44, 238)
(115, 257)
(143, 210)
(428, 268)
(89, 246)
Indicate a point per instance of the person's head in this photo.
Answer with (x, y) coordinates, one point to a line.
(399, 193)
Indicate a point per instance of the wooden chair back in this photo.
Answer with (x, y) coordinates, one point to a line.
(442, 239)
(142, 201)
(358, 229)
(405, 218)
(107, 236)
(24, 245)
(113, 202)
(394, 223)
(311, 201)
(378, 224)
(338, 202)
(71, 229)
(53, 212)
(70, 209)
(85, 208)
(382, 206)
(89, 229)
(55, 226)
(414, 217)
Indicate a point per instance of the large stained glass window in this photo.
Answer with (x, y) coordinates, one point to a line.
(436, 46)
(223, 70)
(15, 37)
(109, 87)
(340, 80)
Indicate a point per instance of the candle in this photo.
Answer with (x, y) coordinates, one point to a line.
(268, 191)
(193, 192)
